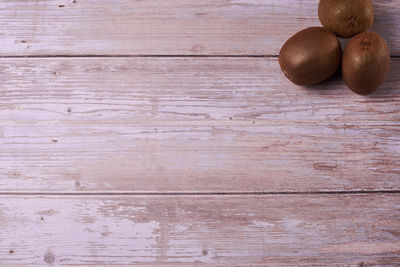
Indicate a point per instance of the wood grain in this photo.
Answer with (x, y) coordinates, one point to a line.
(190, 125)
(173, 27)
(217, 230)
(101, 157)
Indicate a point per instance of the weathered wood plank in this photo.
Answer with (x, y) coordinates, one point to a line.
(242, 230)
(190, 124)
(173, 27)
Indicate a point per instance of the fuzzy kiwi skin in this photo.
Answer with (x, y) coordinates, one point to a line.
(366, 62)
(310, 56)
(346, 18)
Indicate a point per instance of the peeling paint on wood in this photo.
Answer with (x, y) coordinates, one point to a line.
(214, 230)
(116, 125)
(191, 125)
(173, 27)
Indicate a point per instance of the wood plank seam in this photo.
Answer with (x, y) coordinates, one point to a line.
(148, 56)
(241, 193)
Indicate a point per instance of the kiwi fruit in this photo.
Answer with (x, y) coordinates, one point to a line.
(310, 56)
(366, 62)
(346, 18)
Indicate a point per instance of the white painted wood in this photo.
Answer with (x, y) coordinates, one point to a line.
(186, 125)
(173, 27)
(191, 125)
(216, 230)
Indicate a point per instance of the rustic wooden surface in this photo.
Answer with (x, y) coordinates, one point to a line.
(163, 133)
(173, 27)
(272, 230)
(191, 124)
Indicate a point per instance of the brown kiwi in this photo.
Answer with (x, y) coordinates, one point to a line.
(366, 62)
(310, 56)
(346, 18)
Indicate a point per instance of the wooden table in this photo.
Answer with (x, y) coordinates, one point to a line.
(163, 132)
